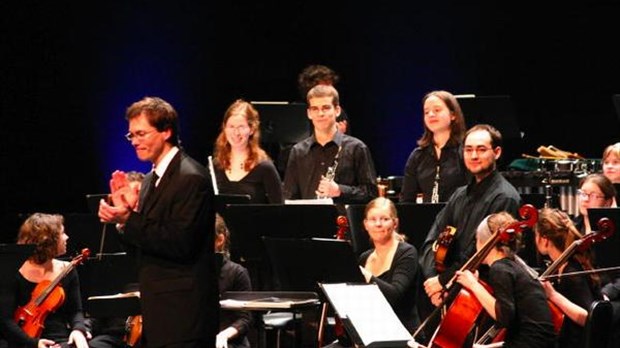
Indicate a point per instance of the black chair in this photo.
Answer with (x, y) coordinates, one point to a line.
(598, 325)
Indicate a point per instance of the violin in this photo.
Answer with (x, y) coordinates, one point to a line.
(605, 230)
(442, 246)
(343, 227)
(133, 331)
(465, 309)
(46, 298)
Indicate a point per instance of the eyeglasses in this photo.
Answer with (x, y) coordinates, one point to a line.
(139, 135)
(317, 109)
(237, 128)
(481, 150)
(591, 195)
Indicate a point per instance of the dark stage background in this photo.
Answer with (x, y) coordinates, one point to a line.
(69, 70)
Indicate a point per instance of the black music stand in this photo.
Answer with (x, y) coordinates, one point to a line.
(92, 201)
(248, 223)
(415, 220)
(222, 201)
(12, 256)
(300, 264)
(606, 251)
(282, 125)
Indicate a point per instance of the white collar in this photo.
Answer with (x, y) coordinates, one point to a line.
(163, 164)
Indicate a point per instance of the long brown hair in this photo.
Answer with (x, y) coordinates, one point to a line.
(222, 148)
(558, 228)
(457, 126)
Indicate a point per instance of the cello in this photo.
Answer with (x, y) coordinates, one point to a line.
(606, 229)
(464, 310)
(46, 298)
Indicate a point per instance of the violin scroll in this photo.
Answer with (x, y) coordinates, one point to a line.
(606, 227)
(343, 226)
(529, 214)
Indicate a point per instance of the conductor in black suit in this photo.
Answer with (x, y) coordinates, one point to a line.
(170, 224)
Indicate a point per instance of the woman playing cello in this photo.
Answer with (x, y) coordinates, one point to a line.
(518, 301)
(64, 326)
(573, 295)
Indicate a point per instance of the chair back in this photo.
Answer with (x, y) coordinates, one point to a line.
(598, 324)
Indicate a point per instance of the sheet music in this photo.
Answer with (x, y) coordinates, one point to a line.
(317, 201)
(368, 311)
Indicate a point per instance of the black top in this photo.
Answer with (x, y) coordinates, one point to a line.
(421, 170)
(234, 277)
(262, 183)
(521, 306)
(579, 291)
(58, 324)
(465, 210)
(308, 161)
(399, 284)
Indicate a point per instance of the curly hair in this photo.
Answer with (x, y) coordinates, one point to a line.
(313, 75)
(44, 231)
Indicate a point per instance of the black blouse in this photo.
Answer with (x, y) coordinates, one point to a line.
(262, 183)
(521, 306)
(234, 277)
(58, 324)
(421, 170)
(581, 292)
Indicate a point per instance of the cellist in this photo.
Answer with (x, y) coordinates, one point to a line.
(573, 295)
(518, 301)
(66, 325)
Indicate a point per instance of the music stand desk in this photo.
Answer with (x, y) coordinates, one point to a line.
(264, 302)
(119, 305)
(248, 223)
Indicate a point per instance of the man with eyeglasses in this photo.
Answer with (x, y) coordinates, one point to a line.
(488, 192)
(329, 164)
(171, 225)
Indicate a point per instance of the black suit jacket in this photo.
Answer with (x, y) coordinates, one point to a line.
(173, 237)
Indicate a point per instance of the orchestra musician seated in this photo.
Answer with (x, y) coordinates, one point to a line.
(518, 302)
(42, 306)
(391, 263)
(554, 233)
(234, 325)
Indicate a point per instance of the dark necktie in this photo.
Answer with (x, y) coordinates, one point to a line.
(149, 190)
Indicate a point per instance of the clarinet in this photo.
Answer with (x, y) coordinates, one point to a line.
(330, 173)
(435, 195)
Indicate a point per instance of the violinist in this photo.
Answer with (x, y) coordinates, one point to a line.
(595, 191)
(518, 301)
(65, 326)
(598, 191)
(573, 295)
